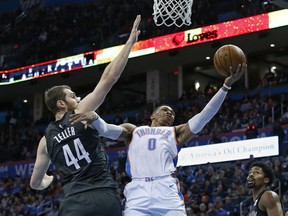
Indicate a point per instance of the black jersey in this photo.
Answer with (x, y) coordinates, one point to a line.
(254, 209)
(78, 154)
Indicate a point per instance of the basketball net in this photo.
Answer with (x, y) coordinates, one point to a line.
(172, 12)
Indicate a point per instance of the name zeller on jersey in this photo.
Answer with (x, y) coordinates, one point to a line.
(69, 131)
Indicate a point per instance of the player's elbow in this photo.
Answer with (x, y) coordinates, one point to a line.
(111, 81)
(34, 184)
(109, 78)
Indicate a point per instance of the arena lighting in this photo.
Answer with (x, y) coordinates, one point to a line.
(197, 85)
(229, 151)
(154, 45)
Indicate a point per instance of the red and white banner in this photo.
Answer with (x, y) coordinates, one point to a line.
(187, 38)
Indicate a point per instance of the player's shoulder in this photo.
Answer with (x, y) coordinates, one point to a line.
(270, 193)
(270, 200)
(269, 197)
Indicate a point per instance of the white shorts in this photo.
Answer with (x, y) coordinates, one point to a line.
(154, 197)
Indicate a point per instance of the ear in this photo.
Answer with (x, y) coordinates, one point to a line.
(266, 181)
(152, 116)
(60, 104)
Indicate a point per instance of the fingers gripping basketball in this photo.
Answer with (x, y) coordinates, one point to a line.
(226, 56)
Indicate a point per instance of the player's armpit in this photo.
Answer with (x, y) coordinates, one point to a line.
(126, 134)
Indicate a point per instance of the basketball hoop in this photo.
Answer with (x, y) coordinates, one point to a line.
(172, 12)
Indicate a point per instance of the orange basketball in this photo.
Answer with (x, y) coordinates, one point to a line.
(226, 56)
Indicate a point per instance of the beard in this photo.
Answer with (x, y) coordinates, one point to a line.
(71, 107)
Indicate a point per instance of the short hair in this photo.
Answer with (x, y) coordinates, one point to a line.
(268, 172)
(159, 107)
(53, 94)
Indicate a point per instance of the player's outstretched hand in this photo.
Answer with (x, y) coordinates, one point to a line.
(88, 117)
(236, 75)
(135, 31)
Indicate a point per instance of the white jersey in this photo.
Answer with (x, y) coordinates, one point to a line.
(153, 190)
(151, 152)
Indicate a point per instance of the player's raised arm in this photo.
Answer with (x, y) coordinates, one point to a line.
(111, 73)
(197, 122)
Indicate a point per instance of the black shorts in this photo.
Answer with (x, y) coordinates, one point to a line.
(98, 202)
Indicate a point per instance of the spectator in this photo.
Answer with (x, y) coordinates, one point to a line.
(285, 116)
(277, 130)
(251, 131)
(269, 79)
(229, 206)
(212, 211)
(202, 209)
(214, 139)
(250, 161)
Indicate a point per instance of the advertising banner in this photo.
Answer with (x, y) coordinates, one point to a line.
(229, 151)
(236, 147)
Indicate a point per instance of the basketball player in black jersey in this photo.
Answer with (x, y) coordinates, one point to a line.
(266, 201)
(76, 152)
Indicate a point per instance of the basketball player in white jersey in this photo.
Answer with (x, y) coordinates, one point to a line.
(151, 150)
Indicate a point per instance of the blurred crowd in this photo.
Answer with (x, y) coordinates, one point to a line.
(208, 190)
(42, 34)
(18, 199)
